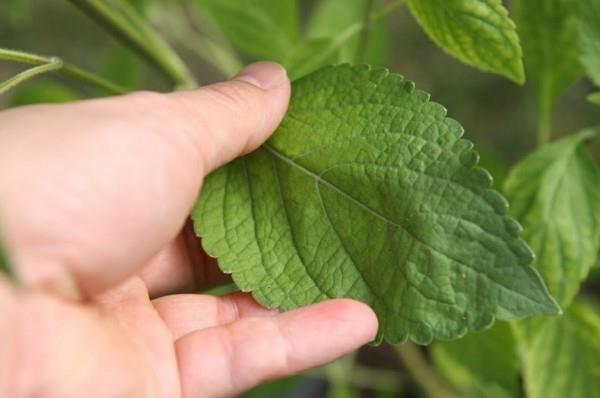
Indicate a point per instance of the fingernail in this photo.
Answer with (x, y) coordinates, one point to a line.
(265, 75)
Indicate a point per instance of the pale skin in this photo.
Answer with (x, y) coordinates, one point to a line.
(94, 198)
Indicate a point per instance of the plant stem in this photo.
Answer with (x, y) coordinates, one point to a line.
(361, 52)
(544, 122)
(133, 31)
(200, 37)
(387, 10)
(417, 367)
(55, 64)
(375, 379)
(64, 68)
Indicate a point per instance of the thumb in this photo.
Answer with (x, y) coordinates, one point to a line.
(236, 116)
(116, 178)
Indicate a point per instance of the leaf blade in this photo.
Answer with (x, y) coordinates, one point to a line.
(263, 29)
(316, 213)
(548, 34)
(588, 15)
(553, 361)
(480, 364)
(478, 33)
(555, 194)
(333, 16)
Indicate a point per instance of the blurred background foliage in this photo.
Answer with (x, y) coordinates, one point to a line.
(498, 115)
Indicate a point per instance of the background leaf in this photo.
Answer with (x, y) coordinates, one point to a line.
(477, 32)
(555, 194)
(18, 11)
(564, 359)
(480, 364)
(588, 23)
(43, 91)
(594, 98)
(330, 17)
(367, 191)
(549, 37)
(262, 29)
(123, 67)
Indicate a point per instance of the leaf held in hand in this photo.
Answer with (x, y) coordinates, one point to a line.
(367, 191)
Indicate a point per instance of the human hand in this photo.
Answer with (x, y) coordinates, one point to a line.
(94, 197)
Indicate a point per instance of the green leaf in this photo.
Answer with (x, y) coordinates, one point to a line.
(594, 98)
(330, 17)
(277, 388)
(549, 37)
(491, 160)
(588, 23)
(477, 32)
(263, 29)
(480, 364)
(311, 55)
(123, 67)
(367, 191)
(564, 359)
(43, 92)
(18, 12)
(555, 194)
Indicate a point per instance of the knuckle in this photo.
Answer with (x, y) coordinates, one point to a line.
(235, 97)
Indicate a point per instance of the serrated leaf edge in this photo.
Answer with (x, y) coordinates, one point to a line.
(500, 207)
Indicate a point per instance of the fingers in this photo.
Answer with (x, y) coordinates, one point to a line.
(7, 334)
(185, 313)
(237, 116)
(182, 267)
(91, 191)
(226, 360)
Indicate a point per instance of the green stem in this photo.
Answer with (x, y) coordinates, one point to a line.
(66, 69)
(132, 30)
(200, 38)
(544, 122)
(375, 379)
(361, 52)
(55, 64)
(417, 367)
(214, 47)
(387, 10)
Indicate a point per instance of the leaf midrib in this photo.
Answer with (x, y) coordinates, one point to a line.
(269, 148)
(320, 179)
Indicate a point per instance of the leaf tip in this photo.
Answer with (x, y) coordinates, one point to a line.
(517, 73)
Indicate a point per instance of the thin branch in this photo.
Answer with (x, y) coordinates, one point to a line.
(416, 365)
(199, 37)
(65, 69)
(55, 64)
(133, 31)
